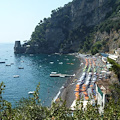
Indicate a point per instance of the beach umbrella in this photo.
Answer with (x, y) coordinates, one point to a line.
(91, 85)
(76, 90)
(77, 85)
(86, 97)
(77, 93)
(85, 93)
(84, 87)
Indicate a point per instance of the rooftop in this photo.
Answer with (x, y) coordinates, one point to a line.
(104, 86)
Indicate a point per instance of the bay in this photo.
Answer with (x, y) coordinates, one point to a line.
(37, 68)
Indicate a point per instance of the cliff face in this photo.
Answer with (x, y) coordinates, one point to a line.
(66, 30)
(111, 40)
(88, 12)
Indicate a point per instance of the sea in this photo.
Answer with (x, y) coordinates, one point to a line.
(37, 69)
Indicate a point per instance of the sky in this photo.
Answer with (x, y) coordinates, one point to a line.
(18, 18)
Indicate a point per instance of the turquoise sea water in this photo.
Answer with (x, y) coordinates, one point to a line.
(37, 68)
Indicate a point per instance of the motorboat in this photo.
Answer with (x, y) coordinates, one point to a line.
(16, 76)
(53, 72)
(31, 92)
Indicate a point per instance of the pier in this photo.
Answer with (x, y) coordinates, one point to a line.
(61, 75)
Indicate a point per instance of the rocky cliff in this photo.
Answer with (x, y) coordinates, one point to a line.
(68, 27)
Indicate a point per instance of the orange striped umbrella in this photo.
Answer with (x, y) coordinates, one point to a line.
(77, 93)
(85, 93)
(86, 97)
(76, 90)
(91, 85)
(83, 86)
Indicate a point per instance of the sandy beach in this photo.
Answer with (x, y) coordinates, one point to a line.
(67, 93)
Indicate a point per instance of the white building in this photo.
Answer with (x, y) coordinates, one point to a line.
(113, 57)
(117, 52)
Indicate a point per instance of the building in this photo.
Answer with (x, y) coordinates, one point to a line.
(117, 52)
(113, 57)
(102, 93)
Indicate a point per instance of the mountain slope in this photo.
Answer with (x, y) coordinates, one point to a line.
(70, 28)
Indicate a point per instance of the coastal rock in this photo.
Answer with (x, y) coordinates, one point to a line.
(18, 48)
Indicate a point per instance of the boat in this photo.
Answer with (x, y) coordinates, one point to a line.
(2, 62)
(31, 92)
(62, 76)
(8, 64)
(60, 63)
(16, 76)
(53, 72)
(51, 62)
(20, 67)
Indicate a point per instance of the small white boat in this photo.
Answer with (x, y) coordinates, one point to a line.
(31, 92)
(51, 62)
(62, 76)
(53, 72)
(16, 76)
(60, 63)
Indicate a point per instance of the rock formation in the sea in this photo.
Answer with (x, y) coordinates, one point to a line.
(69, 27)
(18, 48)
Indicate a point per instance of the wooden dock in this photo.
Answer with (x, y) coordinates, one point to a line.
(61, 75)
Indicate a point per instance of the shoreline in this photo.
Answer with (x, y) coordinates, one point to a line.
(66, 92)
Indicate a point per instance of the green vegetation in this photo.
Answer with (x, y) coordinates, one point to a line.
(108, 25)
(31, 108)
(115, 67)
(96, 47)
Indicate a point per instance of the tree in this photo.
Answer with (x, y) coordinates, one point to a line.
(115, 67)
(31, 108)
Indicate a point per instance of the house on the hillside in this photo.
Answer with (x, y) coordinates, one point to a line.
(102, 93)
(117, 52)
(113, 57)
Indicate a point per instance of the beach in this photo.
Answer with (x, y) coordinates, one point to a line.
(67, 91)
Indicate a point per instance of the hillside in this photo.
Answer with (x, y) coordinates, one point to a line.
(77, 27)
